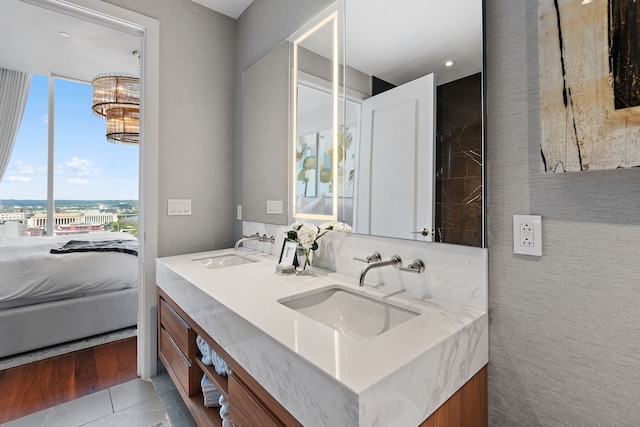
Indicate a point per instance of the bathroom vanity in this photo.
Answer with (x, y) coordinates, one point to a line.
(290, 369)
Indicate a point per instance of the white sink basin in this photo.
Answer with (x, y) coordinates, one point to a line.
(221, 261)
(352, 313)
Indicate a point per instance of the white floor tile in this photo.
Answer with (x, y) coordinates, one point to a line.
(70, 414)
(146, 414)
(131, 393)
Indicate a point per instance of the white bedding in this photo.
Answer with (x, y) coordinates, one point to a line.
(28, 272)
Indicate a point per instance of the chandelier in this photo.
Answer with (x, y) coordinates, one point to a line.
(123, 125)
(116, 98)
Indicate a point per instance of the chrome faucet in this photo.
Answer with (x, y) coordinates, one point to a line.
(395, 261)
(374, 257)
(264, 238)
(246, 238)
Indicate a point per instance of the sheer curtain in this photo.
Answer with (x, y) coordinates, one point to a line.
(14, 90)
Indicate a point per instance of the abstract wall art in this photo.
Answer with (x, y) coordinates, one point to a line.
(589, 74)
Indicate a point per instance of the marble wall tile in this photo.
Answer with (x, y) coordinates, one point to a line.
(459, 162)
(452, 272)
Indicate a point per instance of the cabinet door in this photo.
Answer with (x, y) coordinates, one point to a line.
(178, 329)
(245, 409)
(172, 357)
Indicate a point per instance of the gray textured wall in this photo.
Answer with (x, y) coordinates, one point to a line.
(196, 147)
(564, 328)
(262, 27)
(265, 133)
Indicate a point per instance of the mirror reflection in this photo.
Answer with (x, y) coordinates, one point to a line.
(388, 47)
(409, 166)
(314, 104)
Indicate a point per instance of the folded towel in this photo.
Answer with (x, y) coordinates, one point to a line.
(224, 412)
(209, 403)
(210, 393)
(207, 384)
(205, 350)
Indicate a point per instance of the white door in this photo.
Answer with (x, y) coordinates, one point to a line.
(395, 181)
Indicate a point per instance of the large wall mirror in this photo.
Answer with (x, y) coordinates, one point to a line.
(430, 188)
(315, 96)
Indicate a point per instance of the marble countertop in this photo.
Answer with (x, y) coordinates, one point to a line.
(321, 376)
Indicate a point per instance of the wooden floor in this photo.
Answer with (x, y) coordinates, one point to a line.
(40, 385)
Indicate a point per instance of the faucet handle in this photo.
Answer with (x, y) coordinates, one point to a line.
(417, 266)
(264, 238)
(374, 257)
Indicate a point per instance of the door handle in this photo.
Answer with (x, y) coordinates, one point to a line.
(424, 232)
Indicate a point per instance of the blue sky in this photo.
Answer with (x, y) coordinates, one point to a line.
(87, 166)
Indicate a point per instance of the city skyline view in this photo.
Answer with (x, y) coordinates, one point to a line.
(86, 165)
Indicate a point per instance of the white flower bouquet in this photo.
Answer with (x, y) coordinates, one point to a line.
(307, 236)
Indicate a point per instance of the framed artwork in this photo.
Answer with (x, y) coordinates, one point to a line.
(346, 162)
(589, 75)
(288, 252)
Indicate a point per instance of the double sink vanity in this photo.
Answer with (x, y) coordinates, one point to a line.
(405, 349)
(318, 350)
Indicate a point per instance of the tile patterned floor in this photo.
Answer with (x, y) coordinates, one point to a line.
(177, 411)
(132, 404)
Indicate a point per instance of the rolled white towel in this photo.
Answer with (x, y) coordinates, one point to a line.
(223, 400)
(219, 364)
(224, 412)
(228, 423)
(205, 350)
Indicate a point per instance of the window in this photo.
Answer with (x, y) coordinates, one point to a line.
(95, 182)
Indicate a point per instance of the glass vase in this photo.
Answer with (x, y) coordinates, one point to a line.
(305, 257)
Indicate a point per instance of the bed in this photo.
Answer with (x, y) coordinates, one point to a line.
(52, 298)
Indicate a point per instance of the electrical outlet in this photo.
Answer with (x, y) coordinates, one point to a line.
(527, 235)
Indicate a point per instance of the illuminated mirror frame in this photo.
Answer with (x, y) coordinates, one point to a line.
(331, 16)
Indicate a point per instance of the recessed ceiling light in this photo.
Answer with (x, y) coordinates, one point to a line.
(586, 1)
(449, 63)
(64, 34)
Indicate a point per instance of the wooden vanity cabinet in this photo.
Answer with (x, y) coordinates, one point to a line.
(250, 405)
(468, 407)
(253, 413)
(177, 343)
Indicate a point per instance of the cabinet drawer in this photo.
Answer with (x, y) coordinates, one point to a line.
(189, 378)
(245, 409)
(179, 331)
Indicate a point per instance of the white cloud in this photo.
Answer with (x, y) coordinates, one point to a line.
(77, 181)
(45, 119)
(81, 167)
(20, 168)
(14, 178)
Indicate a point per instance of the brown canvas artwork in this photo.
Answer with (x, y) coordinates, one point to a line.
(589, 74)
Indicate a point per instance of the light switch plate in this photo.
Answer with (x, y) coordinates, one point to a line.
(527, 235)
(274, 206)
(179, 207)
